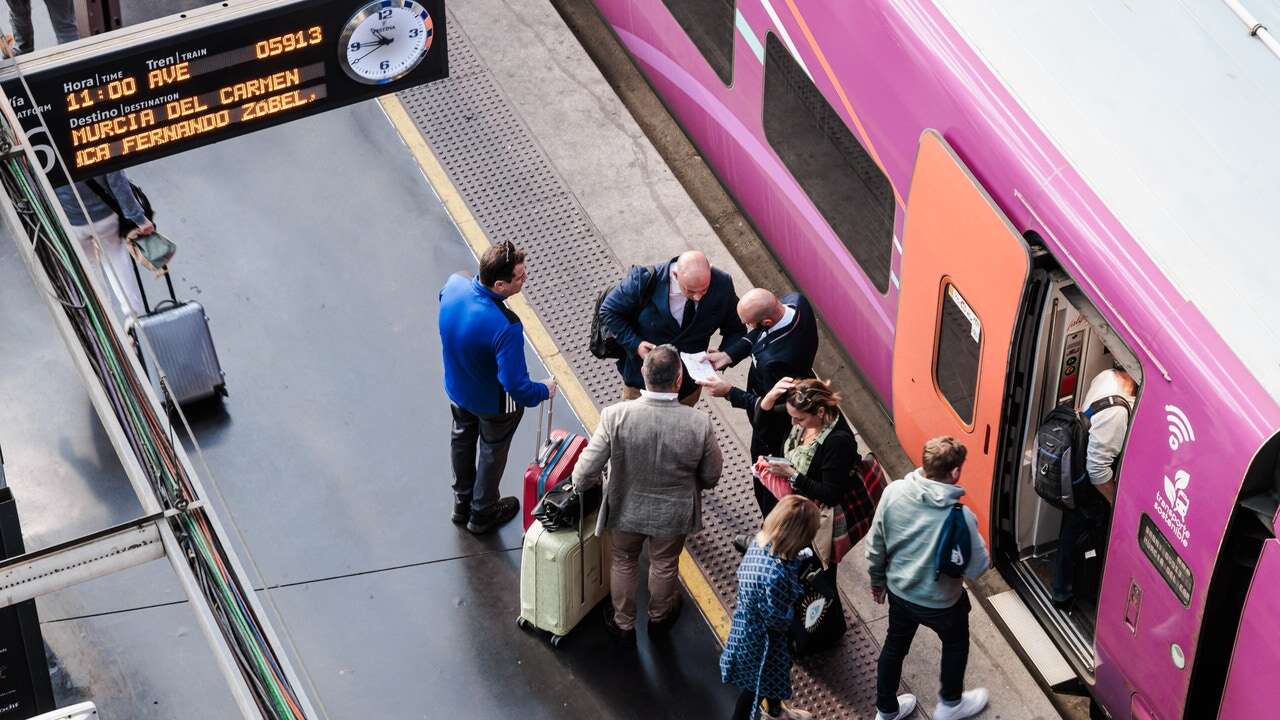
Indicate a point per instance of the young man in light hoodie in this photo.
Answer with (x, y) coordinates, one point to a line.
(901, 549)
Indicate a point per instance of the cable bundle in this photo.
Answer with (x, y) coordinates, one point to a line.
(150, 438)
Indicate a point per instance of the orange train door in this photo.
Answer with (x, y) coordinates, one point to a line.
(964, 268)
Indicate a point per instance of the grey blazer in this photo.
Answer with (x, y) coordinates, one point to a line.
(661, 456)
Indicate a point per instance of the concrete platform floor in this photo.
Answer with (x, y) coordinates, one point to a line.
(317, 249)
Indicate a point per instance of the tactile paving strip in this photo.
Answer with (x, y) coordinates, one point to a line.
(515, 194)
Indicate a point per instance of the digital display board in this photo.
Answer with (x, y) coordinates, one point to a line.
(224, 77)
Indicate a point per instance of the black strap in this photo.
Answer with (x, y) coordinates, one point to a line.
(105, 196)
(1109, 401)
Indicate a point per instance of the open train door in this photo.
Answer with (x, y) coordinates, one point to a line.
(964, 268)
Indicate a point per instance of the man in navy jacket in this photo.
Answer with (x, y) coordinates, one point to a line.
(487, 382)
(683, 302)
(784, 341)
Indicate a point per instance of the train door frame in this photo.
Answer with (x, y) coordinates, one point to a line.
(1004, 295)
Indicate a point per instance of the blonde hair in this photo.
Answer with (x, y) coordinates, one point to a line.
(790, 526)
(815, 397)
(942, 455)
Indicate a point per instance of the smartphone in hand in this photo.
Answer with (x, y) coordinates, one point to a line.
(775, 459)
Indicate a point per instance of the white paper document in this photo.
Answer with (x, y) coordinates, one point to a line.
(698, 366)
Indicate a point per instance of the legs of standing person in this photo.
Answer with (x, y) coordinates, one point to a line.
(952, 626)
(115, 251)
(62, 13)
(1077, 525)
(664, 577)
(24, 36)
(897, 643)
(496, 432)
(747, 707)
(463, 440)
(623, 579)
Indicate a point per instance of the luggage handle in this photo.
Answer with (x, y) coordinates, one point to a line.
(142, 291)
(547, 409)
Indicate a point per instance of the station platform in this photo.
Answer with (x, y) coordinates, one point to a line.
(317, 248)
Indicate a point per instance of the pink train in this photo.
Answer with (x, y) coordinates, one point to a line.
(990, 202)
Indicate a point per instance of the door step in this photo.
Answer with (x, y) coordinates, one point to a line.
(1037, 647)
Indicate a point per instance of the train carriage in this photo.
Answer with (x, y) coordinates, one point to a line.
(991, 202)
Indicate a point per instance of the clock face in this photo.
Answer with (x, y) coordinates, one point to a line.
(385, 40)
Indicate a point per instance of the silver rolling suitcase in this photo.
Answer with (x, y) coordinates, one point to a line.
(178, 334)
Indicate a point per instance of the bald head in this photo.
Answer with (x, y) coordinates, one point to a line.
(693, 272)
(760, 308)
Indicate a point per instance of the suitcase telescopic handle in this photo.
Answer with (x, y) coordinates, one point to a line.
(546, 411)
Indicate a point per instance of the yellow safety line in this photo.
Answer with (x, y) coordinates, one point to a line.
(695, 581)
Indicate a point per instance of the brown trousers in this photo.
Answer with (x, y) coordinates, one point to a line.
(664, 575)
(630, 393)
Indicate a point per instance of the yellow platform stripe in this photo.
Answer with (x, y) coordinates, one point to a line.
(695, 581)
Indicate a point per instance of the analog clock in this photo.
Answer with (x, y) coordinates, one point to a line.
(384, 40)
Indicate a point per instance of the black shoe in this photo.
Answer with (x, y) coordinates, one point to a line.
(741, 543)
(493, 517)
(1062, 601)
(626, 637)
(461, 511)
(668, 622)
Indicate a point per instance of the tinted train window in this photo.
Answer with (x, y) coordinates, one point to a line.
(959, 339)
(841, 179)
(709, 24)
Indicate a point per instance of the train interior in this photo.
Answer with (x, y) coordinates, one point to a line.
(1066, 344)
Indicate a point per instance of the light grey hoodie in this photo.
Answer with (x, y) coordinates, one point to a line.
(904, 537)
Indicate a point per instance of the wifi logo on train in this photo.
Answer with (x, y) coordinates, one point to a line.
(1180, 430)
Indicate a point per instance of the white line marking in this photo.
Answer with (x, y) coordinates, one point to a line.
(749, 35)
(786, 38)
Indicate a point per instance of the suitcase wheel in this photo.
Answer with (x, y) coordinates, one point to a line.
(522, 623)
(555, 640)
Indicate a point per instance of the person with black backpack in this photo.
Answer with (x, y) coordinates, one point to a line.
(922, 545)
(115, 207)
(1096, 438)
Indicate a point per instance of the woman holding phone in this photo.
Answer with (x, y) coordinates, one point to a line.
(821, 453)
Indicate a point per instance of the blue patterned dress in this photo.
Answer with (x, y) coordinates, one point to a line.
(757, 656)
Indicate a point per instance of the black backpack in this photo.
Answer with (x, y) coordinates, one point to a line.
(951, 556)
(1061, 443)
(602, 344)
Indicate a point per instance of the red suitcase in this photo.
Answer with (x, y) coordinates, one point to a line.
(554, 462)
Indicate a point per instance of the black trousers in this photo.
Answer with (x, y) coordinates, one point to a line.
(478, 449)
(952, 626)
(1083, 527)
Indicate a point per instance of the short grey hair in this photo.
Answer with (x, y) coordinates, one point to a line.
(662, 369)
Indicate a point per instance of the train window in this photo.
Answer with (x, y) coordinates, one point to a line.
(832, 167)
(709, 24)
(959, 342)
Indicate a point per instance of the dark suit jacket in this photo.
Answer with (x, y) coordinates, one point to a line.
(632, 316)
(788, 352)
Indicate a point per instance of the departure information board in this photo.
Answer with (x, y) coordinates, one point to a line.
(227, 77)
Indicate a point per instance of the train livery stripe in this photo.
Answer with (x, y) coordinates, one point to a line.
(695, 581)
(744, 28)
(844, 99)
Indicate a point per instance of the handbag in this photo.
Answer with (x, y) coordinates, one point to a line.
(819, 621)
(152, 251)
(603, 345)
(563, 507)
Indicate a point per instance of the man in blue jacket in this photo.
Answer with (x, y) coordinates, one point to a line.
(681, 302)
(487, 382)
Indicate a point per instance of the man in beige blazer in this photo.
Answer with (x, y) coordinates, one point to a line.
(661, 456)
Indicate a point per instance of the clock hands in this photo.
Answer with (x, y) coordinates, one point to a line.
(381, 43)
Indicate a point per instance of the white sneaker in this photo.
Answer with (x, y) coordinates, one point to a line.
(906, 706)
(971, 703)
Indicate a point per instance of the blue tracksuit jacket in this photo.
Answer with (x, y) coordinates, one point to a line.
(483, 345)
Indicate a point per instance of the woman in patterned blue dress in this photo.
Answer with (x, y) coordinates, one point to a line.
(756, 658)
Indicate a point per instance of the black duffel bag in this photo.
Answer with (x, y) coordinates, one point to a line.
(819, 615)
(563, 508)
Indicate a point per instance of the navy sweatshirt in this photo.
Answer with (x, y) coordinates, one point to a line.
(483, 346)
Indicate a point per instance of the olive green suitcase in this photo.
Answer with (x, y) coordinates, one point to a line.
(563, 576)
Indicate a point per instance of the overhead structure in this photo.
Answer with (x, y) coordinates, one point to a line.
(152, 90)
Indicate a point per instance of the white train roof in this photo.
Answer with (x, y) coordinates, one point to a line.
(1171, 112)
